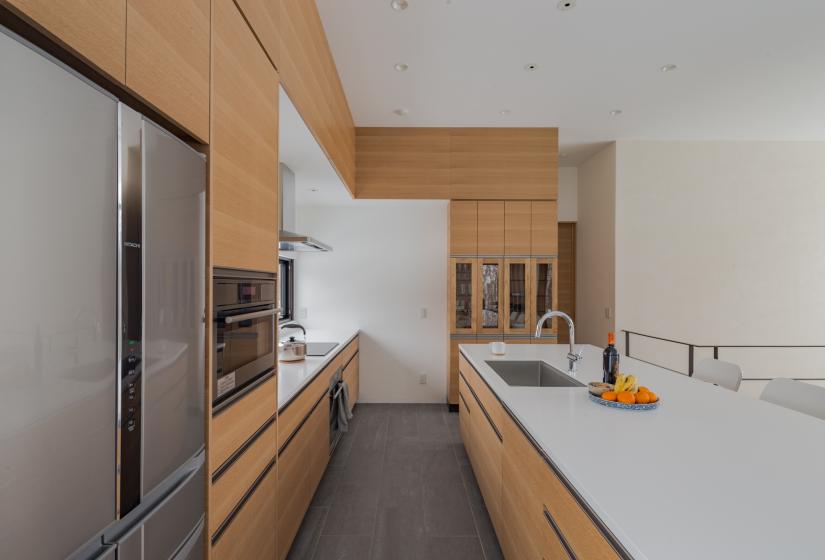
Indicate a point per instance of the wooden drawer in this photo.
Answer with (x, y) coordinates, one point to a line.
(249, 533)
(488, 400)
(231, 485)
(486, 460)
(537, 503)
(349, 351)
(291, 416)
(464, 397)
(351, 376)
(318, 447)
(234, 425)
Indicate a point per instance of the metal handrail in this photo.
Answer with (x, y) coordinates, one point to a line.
(693, 346)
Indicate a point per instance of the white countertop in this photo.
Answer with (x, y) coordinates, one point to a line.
(710, 474)
(294, 376)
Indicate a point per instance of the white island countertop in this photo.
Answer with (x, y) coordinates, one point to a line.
(294, 376)
(710, 474)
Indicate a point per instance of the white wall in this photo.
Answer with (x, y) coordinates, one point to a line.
(722, 242)
(389, 260)
(595, 284)
(568, 194)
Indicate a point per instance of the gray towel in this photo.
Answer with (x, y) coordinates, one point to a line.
(344, 414)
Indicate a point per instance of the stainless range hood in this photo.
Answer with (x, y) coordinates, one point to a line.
(288, 240)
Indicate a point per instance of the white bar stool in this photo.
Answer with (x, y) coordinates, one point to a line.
(796, 395)
(724, 374)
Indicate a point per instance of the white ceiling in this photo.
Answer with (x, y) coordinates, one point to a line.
(747, 69)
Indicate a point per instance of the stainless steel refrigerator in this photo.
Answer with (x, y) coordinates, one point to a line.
(101, 323)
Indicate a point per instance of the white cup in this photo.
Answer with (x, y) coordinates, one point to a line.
(498, 348)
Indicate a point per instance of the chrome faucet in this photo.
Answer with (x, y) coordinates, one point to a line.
(572, 357)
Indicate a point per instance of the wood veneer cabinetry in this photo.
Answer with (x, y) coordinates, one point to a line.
(517, 228)
(167, 59)
(463, 228)
(264, 17)
(352, 376)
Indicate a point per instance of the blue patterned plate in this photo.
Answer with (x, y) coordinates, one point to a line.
(613, 404)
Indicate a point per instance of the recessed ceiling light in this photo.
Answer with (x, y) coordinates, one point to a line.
(615, 112)
(504, 112)
(668, 68)
(531, 67)
(399, 5)
(565, 5)
(313, 189)
(402, 111)
(400, 67)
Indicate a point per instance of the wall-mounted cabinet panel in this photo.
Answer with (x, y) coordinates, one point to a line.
(517, 218)
(504, 163)
(490, 227)
(463, 228)
(402, 163)
(167, 59)
(264, 16)
(311, 79)
(94, 29)
(244, 146)
(544, 235)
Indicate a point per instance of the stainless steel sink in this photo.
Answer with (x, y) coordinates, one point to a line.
(532, 374)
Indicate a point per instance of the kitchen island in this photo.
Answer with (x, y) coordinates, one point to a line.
(709, 474)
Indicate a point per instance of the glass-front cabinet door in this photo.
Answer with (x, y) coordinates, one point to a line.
(463, 289)
(490, 309)
(544, 293)
(516, 296)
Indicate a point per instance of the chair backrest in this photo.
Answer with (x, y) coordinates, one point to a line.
(724, 374)
(796, 395)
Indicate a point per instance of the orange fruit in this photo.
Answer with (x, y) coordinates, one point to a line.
(642, 397)
(643, 390)
(609, 396)
(626, 397)
(653, 397)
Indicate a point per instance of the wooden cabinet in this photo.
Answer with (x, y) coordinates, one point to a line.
(351, 376)
(244, 146)
(544, 293)
(94, 29)
(249, 533)
(490, 228)
(517, 284)
(463, 290)
(517, 221)
(264, 16)
(490, 296)
(452, 369)
(295, 411)
(167, 55)
(464, 410)
(463, 228)
(317, 426)
(544, 235)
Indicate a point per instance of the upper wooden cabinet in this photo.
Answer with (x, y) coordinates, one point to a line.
(402, 163)
(463, 227)
(264, 16)
(544, 234)
(517, 224)
(94, 29)
(167, 59)
(491, 227)
(244, 146)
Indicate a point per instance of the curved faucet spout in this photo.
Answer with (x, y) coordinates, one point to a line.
(572, 356)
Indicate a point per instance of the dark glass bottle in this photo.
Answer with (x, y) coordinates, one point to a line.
(610, 360)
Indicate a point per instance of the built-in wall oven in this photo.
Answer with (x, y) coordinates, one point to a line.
(244, 337)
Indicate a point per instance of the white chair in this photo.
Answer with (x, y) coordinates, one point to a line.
(796, 395)
(724, 374)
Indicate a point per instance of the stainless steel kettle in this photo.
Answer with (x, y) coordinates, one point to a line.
(292, 350)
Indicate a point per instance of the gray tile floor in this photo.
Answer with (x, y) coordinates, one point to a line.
(399, 487)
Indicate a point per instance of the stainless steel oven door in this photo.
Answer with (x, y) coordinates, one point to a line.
(244, 342)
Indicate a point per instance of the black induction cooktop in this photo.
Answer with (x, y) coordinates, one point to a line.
(320, 348)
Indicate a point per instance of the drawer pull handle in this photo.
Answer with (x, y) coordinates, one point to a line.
(466, 406)
(559, 534)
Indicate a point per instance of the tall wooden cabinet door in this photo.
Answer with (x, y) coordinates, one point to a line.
(167, 59)
(463, 289)
(452, 370)
(544, 295)
(517, 296)
(544, 233)
(490, 297)
(94, 29)
(491, 228)
(243, 146)
(264, 16)
(517, 217)
(463, 228)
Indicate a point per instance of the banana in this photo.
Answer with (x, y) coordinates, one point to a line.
(621, 380)
(631, 384)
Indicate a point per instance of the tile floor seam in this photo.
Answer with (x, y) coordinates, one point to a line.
(314, 548)
(464, 483)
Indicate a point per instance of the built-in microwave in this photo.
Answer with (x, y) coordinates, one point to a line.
(244, 336)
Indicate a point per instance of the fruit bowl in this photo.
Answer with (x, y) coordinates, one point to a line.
(615, 404)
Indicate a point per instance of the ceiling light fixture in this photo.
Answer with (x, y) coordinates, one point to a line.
(504, 112)
(531, 67)
(399, 5)
(565, 5)
(402, 112)
(313, 189)
(400, 67)
(615, 112)
(668, 68)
